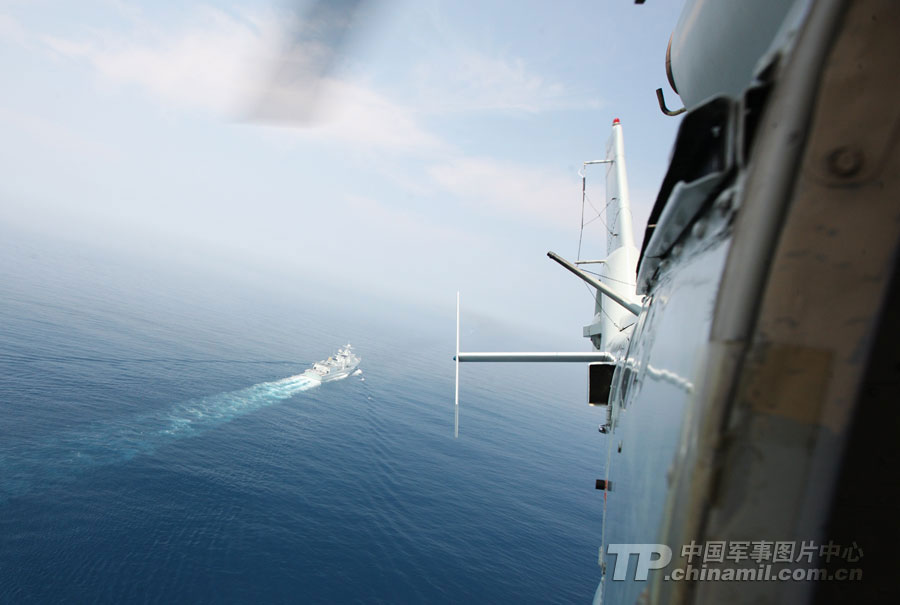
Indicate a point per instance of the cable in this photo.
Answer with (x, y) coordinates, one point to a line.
(608, 277)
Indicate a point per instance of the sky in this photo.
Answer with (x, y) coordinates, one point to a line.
(443, 155)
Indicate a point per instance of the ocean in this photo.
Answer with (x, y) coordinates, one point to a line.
(157, 445)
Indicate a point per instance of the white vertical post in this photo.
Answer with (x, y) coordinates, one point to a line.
(456, 422)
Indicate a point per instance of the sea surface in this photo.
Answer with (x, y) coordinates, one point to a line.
(157, 445)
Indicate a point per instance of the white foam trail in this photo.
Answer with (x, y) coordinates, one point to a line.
(198, 414)
(60, 457)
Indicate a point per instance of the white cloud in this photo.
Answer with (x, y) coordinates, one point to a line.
(228, 65)
(506, 188)
(221, 65)
(201, 67)
(361, 116)
(11, 31)
(468, 80)
(217, 63)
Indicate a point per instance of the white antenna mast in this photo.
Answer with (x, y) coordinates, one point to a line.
(456, 421)
(529, 357)
(610, 331)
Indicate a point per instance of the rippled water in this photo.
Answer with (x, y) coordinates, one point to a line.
(157, 444)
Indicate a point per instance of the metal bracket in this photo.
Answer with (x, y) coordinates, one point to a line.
(662, 104)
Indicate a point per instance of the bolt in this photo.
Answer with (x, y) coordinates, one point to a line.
(699, 229)
(845, 162)
(724, 202)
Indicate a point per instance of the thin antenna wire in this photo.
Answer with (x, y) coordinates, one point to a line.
(583, 174)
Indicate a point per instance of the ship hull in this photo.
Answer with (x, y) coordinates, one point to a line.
(333, 375)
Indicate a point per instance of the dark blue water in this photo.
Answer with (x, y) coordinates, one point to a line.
(154, 447)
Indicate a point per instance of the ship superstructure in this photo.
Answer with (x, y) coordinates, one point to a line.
(340, 365)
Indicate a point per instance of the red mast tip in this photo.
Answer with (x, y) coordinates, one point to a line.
(615, 121)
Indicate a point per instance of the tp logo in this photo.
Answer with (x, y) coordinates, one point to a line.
(645, 560)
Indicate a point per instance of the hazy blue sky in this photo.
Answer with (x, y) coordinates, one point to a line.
(446, 158)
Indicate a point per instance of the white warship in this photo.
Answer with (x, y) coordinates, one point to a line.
(338, 366)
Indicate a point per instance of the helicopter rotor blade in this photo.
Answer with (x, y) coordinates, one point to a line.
(296, 85)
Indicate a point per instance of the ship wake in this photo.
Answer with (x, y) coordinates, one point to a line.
(28, 466)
